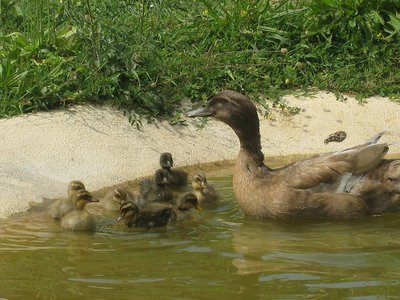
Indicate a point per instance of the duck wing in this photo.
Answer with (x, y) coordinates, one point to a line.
(328, 168)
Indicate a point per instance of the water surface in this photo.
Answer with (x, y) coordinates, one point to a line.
(219, 253)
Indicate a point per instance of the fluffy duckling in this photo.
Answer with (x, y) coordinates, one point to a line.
(79, 219)
(111, 201)
(204, 191)
(156, 190)
(156, 214)
(316, 187)
(176, 178)
(184, 206)
(61, 207)
(152, 215)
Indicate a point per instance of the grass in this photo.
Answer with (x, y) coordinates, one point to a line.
(147, 56)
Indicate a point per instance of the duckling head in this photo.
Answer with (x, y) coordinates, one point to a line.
(128, 210)
(188, 201)
(82, 198)
(166, 161)
(73, 187)
(161, 177)
(199, 181)
(119, 195)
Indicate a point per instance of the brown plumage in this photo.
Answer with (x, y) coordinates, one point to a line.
(79, 219)
(111, 201)
(311, 188)
(175, 178)
(155, 214)
(156, 189)
(204, 191)
(61, 207)
(185, 206)
(380, 188)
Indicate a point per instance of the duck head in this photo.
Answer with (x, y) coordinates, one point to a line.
(188, 201)
(119, 195)
(229, 107)
(161, 177)
(82, 198)
(128, 210)
(199, 181)
(238, 112)
(166, 161)
(73, 187)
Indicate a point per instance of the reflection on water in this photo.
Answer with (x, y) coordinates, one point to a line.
(219, 253)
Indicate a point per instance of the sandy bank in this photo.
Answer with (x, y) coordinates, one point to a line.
(41, 153)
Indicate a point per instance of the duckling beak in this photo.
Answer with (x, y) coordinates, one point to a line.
(198, 207)
(202, 111)
(95, 200)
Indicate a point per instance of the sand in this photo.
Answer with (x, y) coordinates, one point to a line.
(42, 152)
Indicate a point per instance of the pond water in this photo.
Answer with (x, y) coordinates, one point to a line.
(219, 253)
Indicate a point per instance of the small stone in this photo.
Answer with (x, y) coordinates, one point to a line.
(338, 136)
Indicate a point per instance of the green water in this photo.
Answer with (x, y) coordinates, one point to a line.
(219, 253)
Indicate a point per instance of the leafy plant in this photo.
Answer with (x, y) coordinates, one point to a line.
(146, 56)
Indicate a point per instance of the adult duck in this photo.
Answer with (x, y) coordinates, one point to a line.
(318, 187)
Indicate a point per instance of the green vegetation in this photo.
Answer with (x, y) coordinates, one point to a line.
(147, 56)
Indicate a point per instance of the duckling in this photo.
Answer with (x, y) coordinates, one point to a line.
(156, 190)
(338, 137)
(204, 191)
(61, 207)
(111, 201)
(309, 188)
(184, 206)
(176, 178)
(79, 219)
(152, 215)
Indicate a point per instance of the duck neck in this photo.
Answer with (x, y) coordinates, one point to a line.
(250, 143)
(80, 205)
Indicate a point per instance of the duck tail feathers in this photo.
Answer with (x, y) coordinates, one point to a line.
(376, 137)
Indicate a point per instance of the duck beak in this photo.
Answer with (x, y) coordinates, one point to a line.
(198, 207)
(202, 111)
